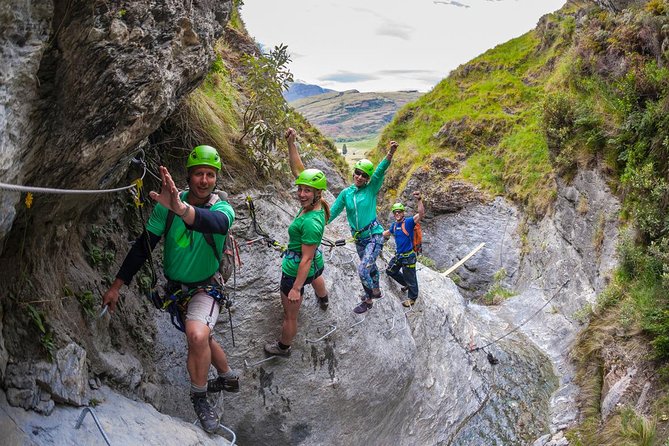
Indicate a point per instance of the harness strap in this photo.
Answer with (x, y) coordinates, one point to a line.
(356, 233)
(297, 256)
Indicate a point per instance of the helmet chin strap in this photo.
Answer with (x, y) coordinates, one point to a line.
(317, 198)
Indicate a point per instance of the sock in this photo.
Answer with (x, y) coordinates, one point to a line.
(283, 346)
(198, 390)
(230, 374)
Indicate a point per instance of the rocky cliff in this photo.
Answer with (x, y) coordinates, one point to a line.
(88, 86)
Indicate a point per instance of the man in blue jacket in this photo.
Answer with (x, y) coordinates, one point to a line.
(402, 267)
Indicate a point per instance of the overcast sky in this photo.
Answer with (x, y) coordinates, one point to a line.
(387, 45)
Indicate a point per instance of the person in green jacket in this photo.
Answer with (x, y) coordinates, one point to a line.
(359, 199)
(302, 261)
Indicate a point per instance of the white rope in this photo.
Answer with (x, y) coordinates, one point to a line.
(50, 190)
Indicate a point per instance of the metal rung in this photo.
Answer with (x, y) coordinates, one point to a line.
(247, 365)
(220, 425)
(359, 322)
(392, 326)
(405, 318)
(95, 418)
(334, 328)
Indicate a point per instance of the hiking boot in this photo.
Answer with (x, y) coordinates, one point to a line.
(273, 349)
(205, 414)
(228, 382)
(377, 296)
(323, 302)
(364, 306)
(409, 302)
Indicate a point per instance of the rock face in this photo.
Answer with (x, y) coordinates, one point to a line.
(61, 104)
(123, 421)
(24, 29)
(385, 378)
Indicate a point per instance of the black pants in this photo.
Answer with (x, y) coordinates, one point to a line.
(402, 268)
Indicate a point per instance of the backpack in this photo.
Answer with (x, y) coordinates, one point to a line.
(226, 264)
(417, 241)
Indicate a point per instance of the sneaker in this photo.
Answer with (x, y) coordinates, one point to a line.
(409, 302)
(273, 349)
(323, 302)
(205, 413)
(364, 306)
(228, 382)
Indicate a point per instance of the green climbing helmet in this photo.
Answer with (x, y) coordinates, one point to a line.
(366, 166)
(314, 178)
(204, 156)
(397, 207)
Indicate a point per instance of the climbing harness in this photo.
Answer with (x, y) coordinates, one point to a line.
(356, 233)
(80, 420)
(176, 303)
(271, 243)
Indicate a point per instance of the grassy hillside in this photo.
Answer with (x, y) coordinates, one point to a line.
(487, 115)
(587, 88)
(350, 115)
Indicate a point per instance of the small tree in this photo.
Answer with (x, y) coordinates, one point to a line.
(266, 112)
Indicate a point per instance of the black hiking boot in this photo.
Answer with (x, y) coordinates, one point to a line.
(324, 302)
(205, 413)
(228, 382)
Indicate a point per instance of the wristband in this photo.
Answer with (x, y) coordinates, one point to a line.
(188, 206)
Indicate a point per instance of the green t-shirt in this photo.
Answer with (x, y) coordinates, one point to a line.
(187, 257)
(306, 229)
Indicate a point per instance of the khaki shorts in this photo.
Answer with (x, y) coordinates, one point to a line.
(202, 307)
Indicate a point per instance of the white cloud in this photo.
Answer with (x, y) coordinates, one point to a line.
(383, 45)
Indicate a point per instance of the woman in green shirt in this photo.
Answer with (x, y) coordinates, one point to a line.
(302, 262)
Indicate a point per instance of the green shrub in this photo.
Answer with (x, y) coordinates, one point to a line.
(266, 112)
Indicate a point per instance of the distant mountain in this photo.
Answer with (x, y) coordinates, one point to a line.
(351, 115)
(299, 90)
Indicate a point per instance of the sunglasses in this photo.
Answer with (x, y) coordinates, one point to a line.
(360, 173)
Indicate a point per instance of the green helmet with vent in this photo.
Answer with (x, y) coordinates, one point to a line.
(204, 156)
(366, 166)
(314, 178)
(397, 207)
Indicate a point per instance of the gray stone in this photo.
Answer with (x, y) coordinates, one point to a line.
(124, 369)
(24, 31)
(66, 379)
(26, 398)
(541, 441)
(612, 397)
(124, 422)
(118, 32)
(80, 89)
(449, 237)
